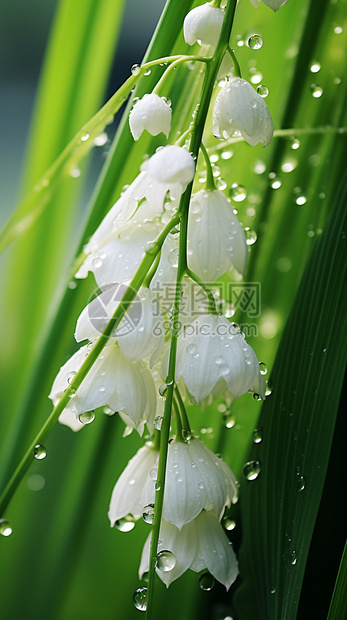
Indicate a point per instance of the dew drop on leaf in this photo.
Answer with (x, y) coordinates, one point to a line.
(251, 470)
(40, 452)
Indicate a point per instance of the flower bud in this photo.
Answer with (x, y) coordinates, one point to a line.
(240, 110)
(203, 24)
(152, 113)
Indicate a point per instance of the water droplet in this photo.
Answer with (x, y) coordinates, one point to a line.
(158, 420)
(135, 69)
(140, 598)
(101, 139)
(229, 524)
(206, 582)
(172, 258)
(259, 167)
(153, 473)
(227, 155)
(273, 591)
(294, 559)
(301, 200)
(97, 262)
(186, 435)
(191, 349)
(289, 166)
(257, 397)
(40, 452)
(85, 137)
(300, 482)
(276, 183)
(317, 91)
(148, 72)
(169, 380)
(157, 486)
(70, 377)
(295, 144)
(75, 173)
(148, 513)
(229, 420)
(237, 192)
(125, 524)
(257, 435)
(262, 90)
(166, 100)
(262, 368)
(251, 470)
(87, 417)
(268, 388)
(251, 236)
(255, 42)
(5, 527)
(338, 30)
(166, 561)
(256, 77)
(151, 247)
(163, 390)
(221, 184)
(315, 67)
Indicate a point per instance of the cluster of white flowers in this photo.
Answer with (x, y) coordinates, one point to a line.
(212, 354)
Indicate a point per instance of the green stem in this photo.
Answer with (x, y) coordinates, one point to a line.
(178, 419)
(194, 147)
(210, 184)
(103, 339)
(237, 69)
(182, 409)
(211, 300)
(173, 66)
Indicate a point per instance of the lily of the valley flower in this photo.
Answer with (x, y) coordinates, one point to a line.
(239, 110)
(113, 381)
(151, 113)
(135, 334)
(216, 240)
(210, 351)
(134, 489)
(195, 479)
(203, 24)
(273, 4)
(201, 544)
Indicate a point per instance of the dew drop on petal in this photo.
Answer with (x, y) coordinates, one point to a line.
(237, 192)
(191, 348)
(97, 262)
(40, 452)
(262, 90)
(172, 258)
(206, 582)
(163, 390)
(87, 417)
(153, 473)
(165, 561)
(186, 434)
(5, 528)
(148, 513)
(125, 524)
(140, 599)
(251, 470)
(255, 42)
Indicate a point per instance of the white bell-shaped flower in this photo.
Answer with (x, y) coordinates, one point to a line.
(195, 479)
(203, 24)
(273, 4)
(211, 350)
(136, 334)
(171, 165)
(201, 544)
(216, 240)
(134, 489)
(239, 110)
(113, 381)
(152, 113)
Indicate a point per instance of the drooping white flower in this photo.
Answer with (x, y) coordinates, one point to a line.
(216, 240)
(203, 24)
(135, 334)
(273, 4)
(212, 350)
(112, 380)
(127, 228)
(151, 113)
(134, 489)
(239, 110)
(195, 479)
(201, 544)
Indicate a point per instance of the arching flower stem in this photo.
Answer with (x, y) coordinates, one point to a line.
(237, 69)
(99, 345)
(211, 301)
(210, 184)
(175, 63)
(182, 411)
(194, 147)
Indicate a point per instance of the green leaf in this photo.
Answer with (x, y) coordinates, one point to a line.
(280, 506)
(338, 607)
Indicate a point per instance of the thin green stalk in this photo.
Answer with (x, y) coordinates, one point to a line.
(182, 410)
(210, 184)
(211, 301)
(237, 69)
(195, 143)
(103, 339)
(173, 66)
